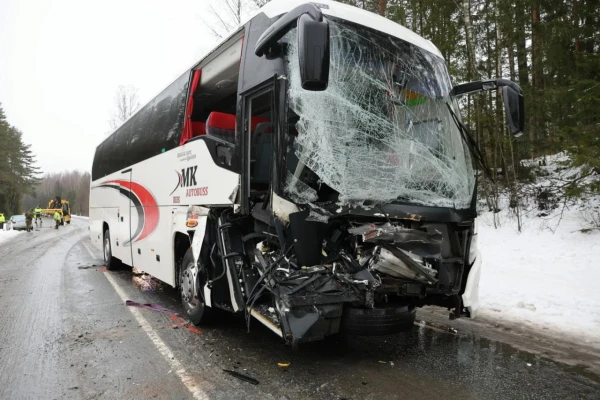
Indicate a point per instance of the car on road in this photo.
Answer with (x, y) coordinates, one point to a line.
(18, 222)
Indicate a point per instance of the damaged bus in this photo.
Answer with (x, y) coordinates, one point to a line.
(311, 173)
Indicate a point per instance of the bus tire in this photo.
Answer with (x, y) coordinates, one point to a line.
(192, 298)
(110, 262)
(386, 319)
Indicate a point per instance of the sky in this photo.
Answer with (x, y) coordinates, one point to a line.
(61, 62)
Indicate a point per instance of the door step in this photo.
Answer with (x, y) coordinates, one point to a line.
(266, 321)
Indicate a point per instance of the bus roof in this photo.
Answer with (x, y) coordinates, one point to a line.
(328, 7)
(352, 14)
(339, 10)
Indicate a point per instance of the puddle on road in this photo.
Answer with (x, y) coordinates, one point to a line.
(508, 351)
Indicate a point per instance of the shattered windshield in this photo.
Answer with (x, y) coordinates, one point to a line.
(381, 131)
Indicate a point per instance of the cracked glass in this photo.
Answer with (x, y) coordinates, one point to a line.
(381, 132)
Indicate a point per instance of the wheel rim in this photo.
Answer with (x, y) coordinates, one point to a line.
(106, 249)
(189, 291)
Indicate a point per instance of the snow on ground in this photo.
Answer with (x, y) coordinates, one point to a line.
(6, 235)
(545, 277)
(80, 217)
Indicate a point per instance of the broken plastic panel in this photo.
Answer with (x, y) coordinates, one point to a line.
(382, 130)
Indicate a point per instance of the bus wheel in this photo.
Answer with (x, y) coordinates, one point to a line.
(110, 262)
(191, 284)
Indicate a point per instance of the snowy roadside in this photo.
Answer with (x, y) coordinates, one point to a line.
(545, 277)
(7, 235)
(80, 217)
(544, 280)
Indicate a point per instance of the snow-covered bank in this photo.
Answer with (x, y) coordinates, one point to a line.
(6, 235)
(546, 280)
(80, 217)
(546, 276)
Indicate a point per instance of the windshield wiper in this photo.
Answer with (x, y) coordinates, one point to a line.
(470, 142)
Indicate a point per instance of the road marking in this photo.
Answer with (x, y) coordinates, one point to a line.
(175, 364)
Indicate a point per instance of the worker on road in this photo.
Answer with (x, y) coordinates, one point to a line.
(57, 219)
(28, 220)
(2, 221)
(38, 215)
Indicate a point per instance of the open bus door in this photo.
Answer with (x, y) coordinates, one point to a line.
(259, 142)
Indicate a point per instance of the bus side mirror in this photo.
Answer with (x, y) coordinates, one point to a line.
(313, 53)
(515, 110)
(513, 100)
(313, 43)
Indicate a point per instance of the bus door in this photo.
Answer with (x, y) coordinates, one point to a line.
(150, 246)
(258, 143)
(122, 248)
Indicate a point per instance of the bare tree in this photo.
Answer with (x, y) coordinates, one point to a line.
(229, 14)
(260, 3)
(126, 104)
(73, 186)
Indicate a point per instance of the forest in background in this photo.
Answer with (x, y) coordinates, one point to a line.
(21, 188)
(17, 168)
(73, 186)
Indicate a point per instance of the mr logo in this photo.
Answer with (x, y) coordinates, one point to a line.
(187, 178)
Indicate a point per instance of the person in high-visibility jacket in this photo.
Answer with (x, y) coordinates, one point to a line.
(2, 221)
(38, 215)
(57, 219)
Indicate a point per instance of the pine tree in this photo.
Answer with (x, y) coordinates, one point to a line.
(17, 168)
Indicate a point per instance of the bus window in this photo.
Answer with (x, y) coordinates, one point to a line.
(261, 141)
(96, 164)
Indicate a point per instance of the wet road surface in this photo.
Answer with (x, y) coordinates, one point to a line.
(65, 332)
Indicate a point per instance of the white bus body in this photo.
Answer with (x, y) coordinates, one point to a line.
(310, 172)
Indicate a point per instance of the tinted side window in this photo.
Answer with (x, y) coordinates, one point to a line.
(154, 129)
(137, 137)
(161, 124)
(118, 147)
(255, 70)
(106, 157)
(96, 164)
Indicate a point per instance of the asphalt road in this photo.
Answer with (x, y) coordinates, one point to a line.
(65, 332)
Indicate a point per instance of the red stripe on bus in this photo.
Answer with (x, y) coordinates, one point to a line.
(149, 206)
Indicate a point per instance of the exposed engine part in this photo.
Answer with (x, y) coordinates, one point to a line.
(373, 232)
(298, 278)
(389, 264)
